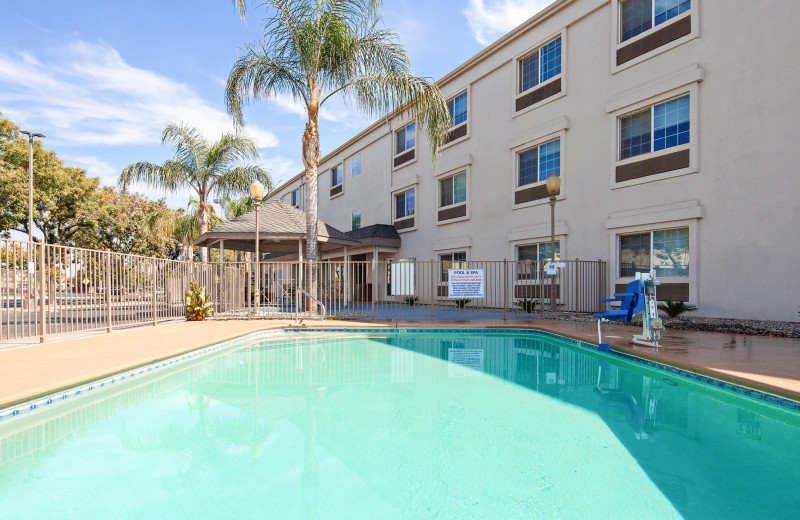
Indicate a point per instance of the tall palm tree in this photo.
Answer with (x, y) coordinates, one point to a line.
(203, 167)
(184, 227)
(316, 49)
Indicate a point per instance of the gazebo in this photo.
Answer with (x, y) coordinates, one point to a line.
(281, 237)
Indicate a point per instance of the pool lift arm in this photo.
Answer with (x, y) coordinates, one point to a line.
(651, 323)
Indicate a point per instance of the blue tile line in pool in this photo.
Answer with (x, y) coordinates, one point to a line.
(59, 397)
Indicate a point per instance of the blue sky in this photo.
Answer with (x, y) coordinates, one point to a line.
(101, 79)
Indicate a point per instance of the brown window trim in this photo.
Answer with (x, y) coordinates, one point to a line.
(538, 94)
(653, 166)
(452, 212)
(404, 157)
(404, 223)
(456, 133)
(676, 292)
(537, 192)
(651, 42)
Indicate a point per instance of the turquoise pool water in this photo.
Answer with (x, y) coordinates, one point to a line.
(404, 426)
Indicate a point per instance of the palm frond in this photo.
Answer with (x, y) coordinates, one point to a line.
(237, 181)
(169, 176)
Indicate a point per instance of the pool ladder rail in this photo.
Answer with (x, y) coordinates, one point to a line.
(297, 305)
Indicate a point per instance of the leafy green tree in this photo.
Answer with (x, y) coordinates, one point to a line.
(203, 167)
(63, 197)
(181, 226)
(120, 223)
(236, 207)
(317, 49)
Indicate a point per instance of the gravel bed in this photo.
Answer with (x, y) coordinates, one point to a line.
(781, 329)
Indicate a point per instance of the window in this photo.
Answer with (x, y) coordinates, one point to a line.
(458, 109)
(659, 127)
(405, 138)
(453, 190)
(356, 167)
(637, 16)
(356, 219)
(336, 176)
(452, 261)
(542, 65)
(666, 251)
(295, 198)
(533, 259)
(404, 204)
(537, 164)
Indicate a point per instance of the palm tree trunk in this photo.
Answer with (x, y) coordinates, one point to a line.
(202, 217)
(311, 152)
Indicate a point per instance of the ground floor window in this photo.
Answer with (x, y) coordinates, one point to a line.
(452, 261)
(665, 251)
(532, 259)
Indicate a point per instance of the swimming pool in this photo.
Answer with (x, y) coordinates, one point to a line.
(414, 425)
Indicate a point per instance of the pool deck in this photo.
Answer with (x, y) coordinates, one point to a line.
(31, 370)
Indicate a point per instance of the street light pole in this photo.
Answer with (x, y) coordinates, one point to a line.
(257, 193)
(553, 184)
(30, 181)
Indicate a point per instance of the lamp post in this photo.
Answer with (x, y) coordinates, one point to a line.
(30, 181)
(257, 193)
(553, 187)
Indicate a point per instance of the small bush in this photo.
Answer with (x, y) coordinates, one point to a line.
(526, 304)
(675, 309)
(461, 302)
(411, 300)
(198, 304)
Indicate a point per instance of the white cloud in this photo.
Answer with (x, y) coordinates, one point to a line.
(490, 19)
(90, 95)
(94, 168)
(281, 168)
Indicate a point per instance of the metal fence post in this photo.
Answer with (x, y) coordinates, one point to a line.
(108, 290)
(42, 291)
(155, 299)
(433, 288)
(505, 289)
(374, 282)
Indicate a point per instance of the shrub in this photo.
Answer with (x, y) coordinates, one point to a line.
(411, 300)
(461, 302)
(526, 304)
(198, 304)
(675, 309)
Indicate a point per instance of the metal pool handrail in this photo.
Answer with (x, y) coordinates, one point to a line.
(297, 307)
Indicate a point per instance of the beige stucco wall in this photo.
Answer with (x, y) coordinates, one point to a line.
(739, 197)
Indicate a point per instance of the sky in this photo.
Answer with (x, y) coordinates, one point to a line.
(101, 79)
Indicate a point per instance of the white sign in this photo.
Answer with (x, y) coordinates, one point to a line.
(466, 283)
(402, 279)
(464, 358)
(552, 268)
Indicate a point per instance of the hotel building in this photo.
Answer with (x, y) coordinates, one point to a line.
(670, 128)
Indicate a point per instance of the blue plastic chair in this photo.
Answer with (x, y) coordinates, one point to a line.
(632, 303)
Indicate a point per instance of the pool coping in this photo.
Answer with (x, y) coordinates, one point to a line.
(24, 407)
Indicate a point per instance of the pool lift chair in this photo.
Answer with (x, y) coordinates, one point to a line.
(639, 296)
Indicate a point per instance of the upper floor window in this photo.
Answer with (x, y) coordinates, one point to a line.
(295, 198)
(453, 190)
(544, 63)
(637, 16)
(657, 127)
(539, 163)
(336, 175)
(356, 165)
(355, 219)
(458, 109)
(404, 204)
(666, 251)
(405, 138)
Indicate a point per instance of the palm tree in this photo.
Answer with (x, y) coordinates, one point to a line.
(184, 227)
(316, 49)
(206, 168)
(236, 207)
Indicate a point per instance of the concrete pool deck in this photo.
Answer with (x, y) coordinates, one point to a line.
(32, 370)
